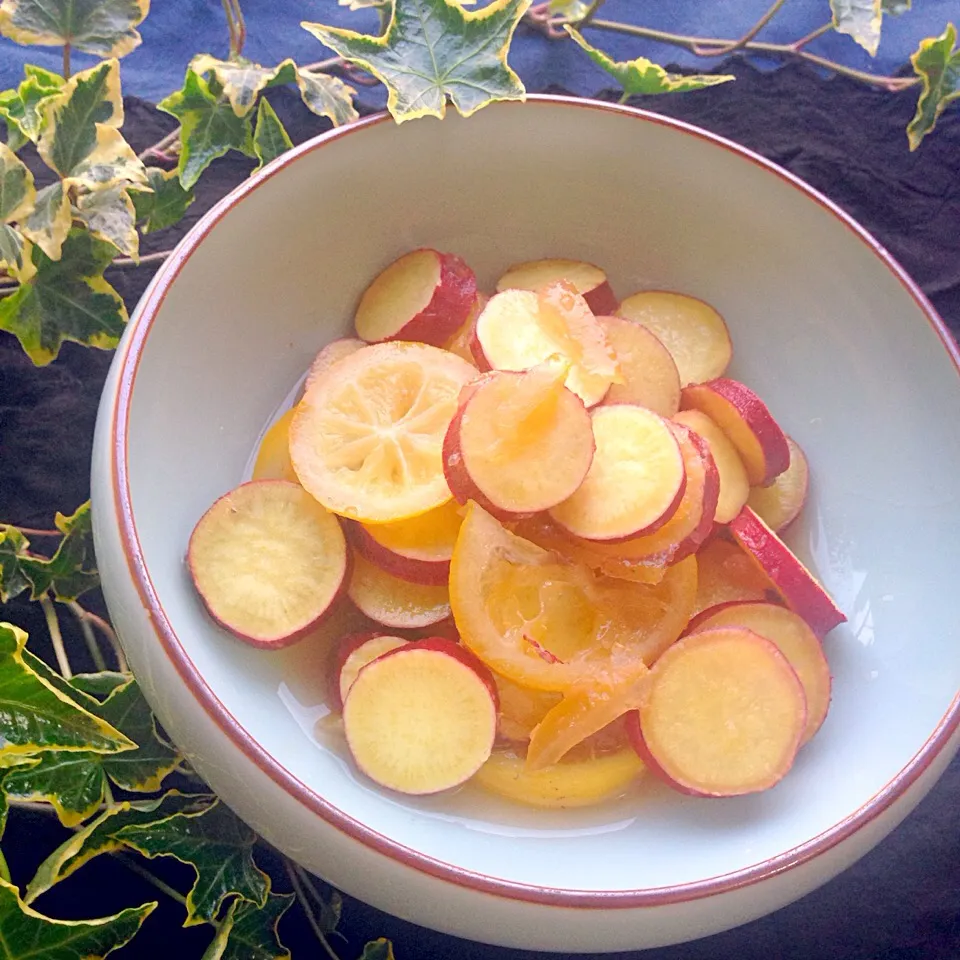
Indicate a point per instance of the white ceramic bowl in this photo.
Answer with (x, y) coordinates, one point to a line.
(849, 356)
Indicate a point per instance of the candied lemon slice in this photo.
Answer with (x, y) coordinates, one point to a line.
(551, 625)
(367, 442)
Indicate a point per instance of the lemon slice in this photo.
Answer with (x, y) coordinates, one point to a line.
(367, 443)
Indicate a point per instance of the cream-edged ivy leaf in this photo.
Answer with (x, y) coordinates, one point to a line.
(48, 224)
(164, 204)
(17, 192)
(71, 118)
(67, 299)
(109, 214)
(327, 96)
(36, 717)
(111, 161)
(937, 63)
(28, 935)
(102, 27)
(12, 258)
(270, 138)
(209, 126)
(643, 76)
(434, 50)
(242, 80)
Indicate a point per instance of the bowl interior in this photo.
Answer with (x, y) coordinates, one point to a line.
(822, 329)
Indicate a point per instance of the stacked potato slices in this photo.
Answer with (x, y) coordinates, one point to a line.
(557, 522)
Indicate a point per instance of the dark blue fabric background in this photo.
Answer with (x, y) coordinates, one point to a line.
(175, 30)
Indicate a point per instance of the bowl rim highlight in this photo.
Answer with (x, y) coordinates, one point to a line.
(141, 324)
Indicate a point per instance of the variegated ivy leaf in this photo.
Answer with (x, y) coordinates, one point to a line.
(28, 935)
(433, 50)
(103, 27)
(68, 299)
(270, 139)
(164, 204)
(862, 19)
(100, 835)
(109, 214)
(98, 685)
(36, 717)
(644, 76)
(11, 260)
(209, 126)
(74, 783)
(381, 949)
(327, 96)
(48, 224)
(217, 845)
(111, 161)
(24, 108)
(71, 118)
(249, 932)
(243, 81)
(13, 545)
(17, 192)
(72, 570)
(937, 63)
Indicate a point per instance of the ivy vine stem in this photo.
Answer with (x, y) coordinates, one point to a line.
(87, 630)
(56, 637)
(735, 45)
(708, 47)
(300, 891)
(92, 620)
(66, 60)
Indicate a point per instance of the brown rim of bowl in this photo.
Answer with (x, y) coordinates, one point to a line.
(217, 711)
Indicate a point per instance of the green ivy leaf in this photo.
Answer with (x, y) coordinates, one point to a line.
(72, 570)
(249, 932)
(17, 192)
(645, 76)
(12, 259)
(110, 215)
(102, 27)
(72, 782)
(13, 544)
(111, 161)
(144, 769)
(75, 782)
(432, 50)
(24, 108)
(28, 935)
(89, 100)
(9, 761)
(36, 717)
(937, 63)
(270, 139)
(242, 80)
(209, 127)
(68, 299)
(327, 96)
(220, 849)
(100, 835)
(381, 949)
(165, 204)
(49, 222)
(99, 685)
